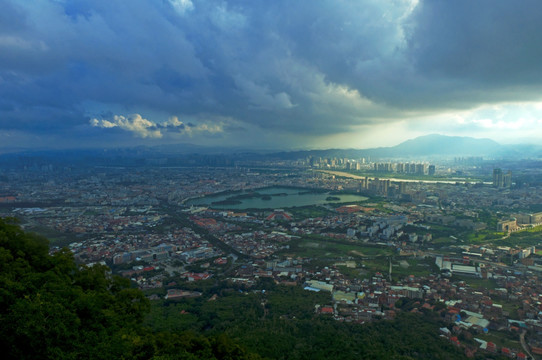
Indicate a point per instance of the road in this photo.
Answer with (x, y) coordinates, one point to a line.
(524, 345)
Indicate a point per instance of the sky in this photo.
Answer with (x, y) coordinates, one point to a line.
(263, 74)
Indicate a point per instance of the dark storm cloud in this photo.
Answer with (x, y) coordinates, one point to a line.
(280, 66)
(474, 51)
(484, 41)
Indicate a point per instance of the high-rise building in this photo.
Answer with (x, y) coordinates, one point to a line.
(497, 178)
(420, 169)
(501, 180)
(507, 179)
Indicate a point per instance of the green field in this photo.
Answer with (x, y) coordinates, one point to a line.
(307, 212)
(416, 267)
(501, 339)
(484, 236)
(402, 267)
(477, 283)
(527, 237)
(316, 246)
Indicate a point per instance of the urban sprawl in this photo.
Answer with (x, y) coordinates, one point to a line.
(423, 235)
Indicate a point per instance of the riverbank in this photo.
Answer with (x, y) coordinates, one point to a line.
(353, 176)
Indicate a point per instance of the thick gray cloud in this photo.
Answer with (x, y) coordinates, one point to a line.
(232, 69)
(482, 51)
(495, 42)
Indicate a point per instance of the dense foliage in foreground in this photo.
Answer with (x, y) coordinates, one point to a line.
(51, 308)
(288, 328)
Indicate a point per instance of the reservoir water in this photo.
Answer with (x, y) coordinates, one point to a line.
(273, 198)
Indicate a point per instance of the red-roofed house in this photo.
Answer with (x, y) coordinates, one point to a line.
(491, 347)
(327, 310)
(506, 352)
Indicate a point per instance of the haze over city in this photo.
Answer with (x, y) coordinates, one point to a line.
(225, 179)
(268, 75)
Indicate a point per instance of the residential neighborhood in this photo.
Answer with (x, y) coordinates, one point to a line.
(464, 250)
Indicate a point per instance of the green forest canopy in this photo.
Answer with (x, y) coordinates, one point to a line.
(53, 308)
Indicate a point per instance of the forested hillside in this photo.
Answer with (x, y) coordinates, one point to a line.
(52, 308)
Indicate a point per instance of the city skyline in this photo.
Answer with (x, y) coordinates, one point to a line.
(267, 75)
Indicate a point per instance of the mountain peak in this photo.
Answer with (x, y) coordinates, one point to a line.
(437, 144)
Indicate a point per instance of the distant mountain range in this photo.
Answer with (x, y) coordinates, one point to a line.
(428, 147)
(445, 145)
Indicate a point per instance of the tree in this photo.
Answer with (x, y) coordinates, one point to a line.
(52, 308)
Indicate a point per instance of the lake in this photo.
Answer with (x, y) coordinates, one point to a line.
(273, 198)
